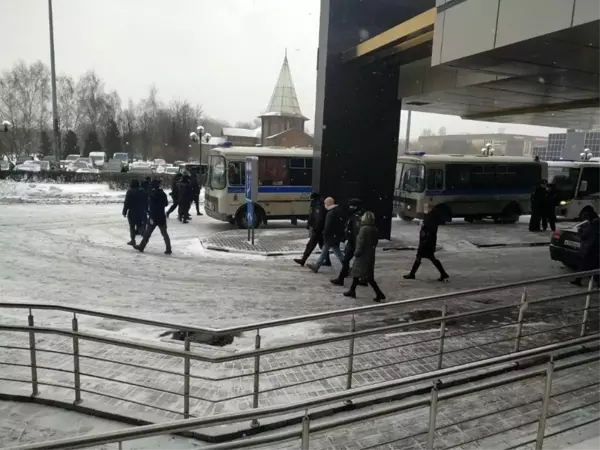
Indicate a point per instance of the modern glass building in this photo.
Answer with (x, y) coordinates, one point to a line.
(558, 144)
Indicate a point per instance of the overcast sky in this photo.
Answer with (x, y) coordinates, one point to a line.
(223, 54)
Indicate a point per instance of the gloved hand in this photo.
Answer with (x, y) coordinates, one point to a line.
(125, 215)
(151, 222)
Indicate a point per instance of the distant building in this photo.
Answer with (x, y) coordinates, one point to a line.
(241, 136)
(570, 145)
(471, 144)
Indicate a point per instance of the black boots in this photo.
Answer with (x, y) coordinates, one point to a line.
(299, 261)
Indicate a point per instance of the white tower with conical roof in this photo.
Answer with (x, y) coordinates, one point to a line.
(283, 112)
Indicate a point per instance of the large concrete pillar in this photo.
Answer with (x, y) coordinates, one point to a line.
(357, 116)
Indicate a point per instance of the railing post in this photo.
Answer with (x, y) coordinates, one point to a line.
(442, 335)
(432, 413)
(522, 309)
(255, 422)
(305, 431)
(350, 358)
(586, 310)
(76, 372)
(186, 377)
(544, 410)
(32, 355)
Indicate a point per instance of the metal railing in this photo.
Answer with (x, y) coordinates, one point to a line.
(252, 377)
(439, 393)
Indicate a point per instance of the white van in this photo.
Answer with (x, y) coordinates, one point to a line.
(98, 158)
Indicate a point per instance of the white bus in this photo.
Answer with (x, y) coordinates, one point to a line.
(473, 187)
(578, 187)
(284, 178)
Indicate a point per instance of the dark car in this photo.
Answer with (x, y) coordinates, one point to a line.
(564, 246)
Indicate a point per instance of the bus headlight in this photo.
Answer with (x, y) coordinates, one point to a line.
(563, 203)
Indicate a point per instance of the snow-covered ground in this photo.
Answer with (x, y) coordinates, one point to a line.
(58, 193)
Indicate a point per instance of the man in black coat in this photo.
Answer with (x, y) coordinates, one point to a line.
(333, 234)
(134, 208)
(195, 185)
(589, 250)
(157, 202)
(427, 246)
(315, 225)
(355, 212)
(174, 193)
(538, 201)
(550, 204)
(185, 199)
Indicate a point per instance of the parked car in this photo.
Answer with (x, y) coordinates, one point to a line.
(564, 246)
(141, 167)
(33, 166)
(82, 166)
(171, 170)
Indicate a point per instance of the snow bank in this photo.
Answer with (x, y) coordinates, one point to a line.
(55, 193)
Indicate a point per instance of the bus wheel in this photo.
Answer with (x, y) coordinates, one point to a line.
(510, 214)
(585, 213)
(469, 219)
(259, 217)
(407, 219)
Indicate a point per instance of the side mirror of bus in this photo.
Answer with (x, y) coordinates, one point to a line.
(583, 187)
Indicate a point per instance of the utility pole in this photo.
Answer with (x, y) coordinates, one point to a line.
(407, 143)
(55, 126)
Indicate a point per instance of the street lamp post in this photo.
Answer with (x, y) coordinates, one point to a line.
(586, 155)
(54, 100)
(487, 150)
(196, 137)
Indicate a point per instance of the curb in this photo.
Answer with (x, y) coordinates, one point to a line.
(247, 252)
(514, 245)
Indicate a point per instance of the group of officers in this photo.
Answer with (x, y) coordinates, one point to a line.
(145, 204)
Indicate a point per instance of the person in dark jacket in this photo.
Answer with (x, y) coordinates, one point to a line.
(589, 250)
(174, 193)
(538, 201)
(364, 257)
(134, 208)
(427, 246)
(315, 225)
(195, 187)
(185, 199)
(355, 212)
(550, 204)
(157, 202)
(333, 234)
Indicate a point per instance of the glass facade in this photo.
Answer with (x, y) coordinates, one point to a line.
(557, 143)
(592, 141)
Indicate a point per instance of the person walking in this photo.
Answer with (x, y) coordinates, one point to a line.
(355, 212)
(427, 246)
(134, 209)
(157, 202)
(550, 204)
(185, 199)
(538, 200)
(333, 233)
(589, 250)
(174, 193)
(315, 224)
(195, 191)
(364, 257)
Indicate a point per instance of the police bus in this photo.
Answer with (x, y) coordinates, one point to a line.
(473, 187)
(577, 186)
(284, 184)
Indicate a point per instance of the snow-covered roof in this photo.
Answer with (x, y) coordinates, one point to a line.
(239, 132)
(284, 101)
(215, 140)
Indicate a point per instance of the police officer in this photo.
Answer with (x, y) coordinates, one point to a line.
(185, 199)
(195, 188)
(355, 212)
(174, 193)
(157, 202)
(134, 208)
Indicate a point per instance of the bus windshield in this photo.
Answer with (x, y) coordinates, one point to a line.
(565, 179)
(217, 172)
(413, 177)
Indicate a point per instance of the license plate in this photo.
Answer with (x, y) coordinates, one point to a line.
(572, 244)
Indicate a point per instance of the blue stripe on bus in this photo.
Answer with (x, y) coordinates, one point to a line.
(479, 192)
(273, 189)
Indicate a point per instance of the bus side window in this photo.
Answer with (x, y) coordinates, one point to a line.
(592, 176)
(236, 173)
(458, 176)
(435, 179)
(272, 171)
(300, 170)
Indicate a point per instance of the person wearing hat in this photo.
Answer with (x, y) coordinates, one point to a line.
(355, 212)
(315, 225)
(157, 202)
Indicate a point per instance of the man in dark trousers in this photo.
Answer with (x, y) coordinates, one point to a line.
(550, 204)
(157, 202)
(174, 193)
(195, 185)
(355, 212)
(315, 225)
(134, 208)
(427, 246)
(589, 250)
(538, 201)
(185, 199)
(333, 234)
(146, 188)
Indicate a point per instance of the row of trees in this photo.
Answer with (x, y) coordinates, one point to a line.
(92, 118)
